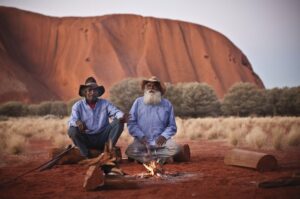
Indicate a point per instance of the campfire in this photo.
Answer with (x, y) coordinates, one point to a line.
(96, 177)
(154, 168)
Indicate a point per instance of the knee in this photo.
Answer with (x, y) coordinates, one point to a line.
(117, 124)
(173, 148)
(73, 131)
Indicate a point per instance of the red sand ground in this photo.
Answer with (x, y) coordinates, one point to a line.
(207, 177)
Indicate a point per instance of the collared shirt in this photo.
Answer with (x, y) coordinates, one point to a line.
(152, 120)
(96, 119)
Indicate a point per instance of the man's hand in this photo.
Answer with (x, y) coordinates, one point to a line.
(161, 140)
(125, 118)
(81, 125)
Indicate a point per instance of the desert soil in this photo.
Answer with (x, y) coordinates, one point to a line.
(206, 176)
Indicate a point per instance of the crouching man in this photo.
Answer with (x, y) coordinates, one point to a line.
(152, 124)
(89, 126)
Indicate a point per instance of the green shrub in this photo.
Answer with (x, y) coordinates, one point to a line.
(44, 108)
(58, 108)
(123, 93)
(244, 99)
(33, 109)
(13, 109)
(70, 104)
(198, 100)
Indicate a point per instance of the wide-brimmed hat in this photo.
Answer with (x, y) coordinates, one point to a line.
(90, 82)
(154, 79)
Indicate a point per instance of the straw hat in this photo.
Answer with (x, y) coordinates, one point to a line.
(154, 79)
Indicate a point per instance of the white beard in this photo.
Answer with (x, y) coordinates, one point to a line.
(152, 98)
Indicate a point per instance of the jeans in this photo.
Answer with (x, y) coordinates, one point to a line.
(96, 141)
(139, 152)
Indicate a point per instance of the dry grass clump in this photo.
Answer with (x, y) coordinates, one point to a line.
(15, 132)
(275, 132)
(268, 132)
(293, 137)
(256, 137)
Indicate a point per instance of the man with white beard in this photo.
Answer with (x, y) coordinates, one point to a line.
(152, 124)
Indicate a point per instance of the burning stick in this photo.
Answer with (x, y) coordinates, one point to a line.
(154, 168)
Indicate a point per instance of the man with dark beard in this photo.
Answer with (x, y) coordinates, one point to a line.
(89, 126)
(152, 124)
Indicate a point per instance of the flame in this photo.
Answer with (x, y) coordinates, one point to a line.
(154, 168)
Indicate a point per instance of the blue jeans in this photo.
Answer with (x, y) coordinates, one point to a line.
(139, 152)
(96, 141)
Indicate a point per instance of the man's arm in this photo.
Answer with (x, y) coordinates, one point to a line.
(114, 111)
(171, 128)
(132, 125)
(74, 115)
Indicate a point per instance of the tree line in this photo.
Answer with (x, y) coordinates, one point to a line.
(196, 99)
(192, 99)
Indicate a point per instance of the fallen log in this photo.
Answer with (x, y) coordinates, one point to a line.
(94, 178)
(73, 156)
(104, 163)
(251, 159)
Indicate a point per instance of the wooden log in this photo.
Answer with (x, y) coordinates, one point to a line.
(94, 178)
(72, 157)
(251, 159)
(121, 182)
(184, 154)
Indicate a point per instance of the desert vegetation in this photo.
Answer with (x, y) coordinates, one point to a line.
(246, 116)
(190, 100)
(194, 99)
(276, 133)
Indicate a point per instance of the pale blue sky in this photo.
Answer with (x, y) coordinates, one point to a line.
(267, 31)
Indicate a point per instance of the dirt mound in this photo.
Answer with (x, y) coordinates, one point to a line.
(44, 58)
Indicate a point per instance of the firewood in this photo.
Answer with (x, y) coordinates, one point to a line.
(105, 162)
(94, 178)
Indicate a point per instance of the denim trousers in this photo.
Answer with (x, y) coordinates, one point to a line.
(96, 141)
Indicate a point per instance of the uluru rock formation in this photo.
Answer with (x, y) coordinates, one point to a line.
(47, 58)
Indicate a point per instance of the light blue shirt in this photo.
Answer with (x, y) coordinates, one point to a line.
(97, 119)
(152, 120)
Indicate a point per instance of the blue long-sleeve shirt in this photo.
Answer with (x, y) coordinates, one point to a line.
(152, 120)
(97, 119)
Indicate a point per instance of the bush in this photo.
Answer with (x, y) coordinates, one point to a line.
(283, 101)
(123, 93)
(13, 109)
(174, 93)
(44, 108)
(58, 108)
(244, 99)
(289, 101)
(70, 104)
(198, 100)
(33, 109)
(272, 100)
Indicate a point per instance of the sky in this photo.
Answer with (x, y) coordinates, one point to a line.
(266, 31)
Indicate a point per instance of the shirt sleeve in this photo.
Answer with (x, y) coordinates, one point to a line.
(171, 128)
(74, 114)
(132, 125)
(114, 111)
